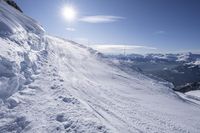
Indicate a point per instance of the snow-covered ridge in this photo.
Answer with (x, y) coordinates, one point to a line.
(48, 84)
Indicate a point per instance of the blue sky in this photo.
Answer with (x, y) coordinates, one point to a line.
(140, 25)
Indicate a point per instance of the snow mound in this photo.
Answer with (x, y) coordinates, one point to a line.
(48, 84)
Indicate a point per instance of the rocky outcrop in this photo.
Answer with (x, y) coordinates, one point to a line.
(189, 87)
(13, 4)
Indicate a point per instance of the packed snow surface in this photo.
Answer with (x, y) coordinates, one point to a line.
(48, 84)
(194, 95)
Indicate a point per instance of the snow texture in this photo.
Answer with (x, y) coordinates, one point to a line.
(48, 84)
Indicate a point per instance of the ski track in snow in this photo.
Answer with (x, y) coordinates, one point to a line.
(48, 84)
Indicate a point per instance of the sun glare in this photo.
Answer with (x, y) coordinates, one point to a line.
(69, 13)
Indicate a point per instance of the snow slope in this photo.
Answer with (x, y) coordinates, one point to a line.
(194, 95)
(48, 84)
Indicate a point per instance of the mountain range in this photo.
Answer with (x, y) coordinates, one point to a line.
(179, 69)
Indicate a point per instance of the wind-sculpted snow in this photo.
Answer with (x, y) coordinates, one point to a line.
(15, 25)
(48, 84)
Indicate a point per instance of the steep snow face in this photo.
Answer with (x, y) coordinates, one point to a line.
(48, 84)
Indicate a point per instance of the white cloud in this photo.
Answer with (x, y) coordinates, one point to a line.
(120, 49)
(100, 19)
(70, 29)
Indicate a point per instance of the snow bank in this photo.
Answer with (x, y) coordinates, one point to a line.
(20, 42)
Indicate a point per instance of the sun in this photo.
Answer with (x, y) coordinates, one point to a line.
(69, 13)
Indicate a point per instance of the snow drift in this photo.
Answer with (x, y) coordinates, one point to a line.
(48, 84)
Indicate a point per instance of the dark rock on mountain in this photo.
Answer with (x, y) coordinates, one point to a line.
(13, 4)
(188, 87)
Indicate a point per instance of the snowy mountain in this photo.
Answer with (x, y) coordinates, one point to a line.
(180, 57)
(179, 69)
(49, 84)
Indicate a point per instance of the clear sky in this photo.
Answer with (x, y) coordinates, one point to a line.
(140, 25)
